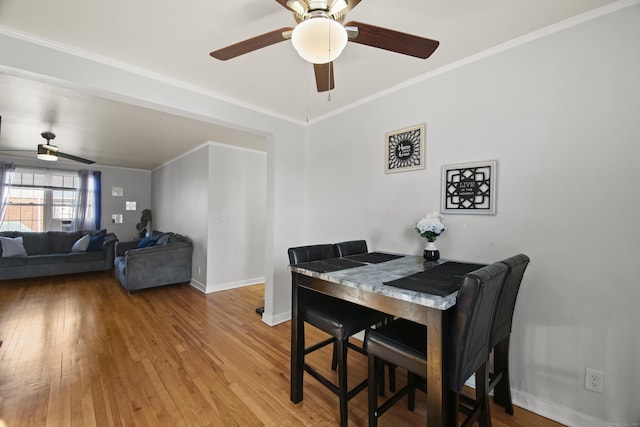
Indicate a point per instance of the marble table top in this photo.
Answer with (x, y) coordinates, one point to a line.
(371, 278)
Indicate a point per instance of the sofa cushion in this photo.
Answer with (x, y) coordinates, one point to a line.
(61, 242)
(81, 244)
(85, 256)
(35, 243)
(46, 259)
(12, 247)
(95, 243)
(18, 261)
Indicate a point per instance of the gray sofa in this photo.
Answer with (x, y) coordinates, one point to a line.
(166, 262)
(50, 253)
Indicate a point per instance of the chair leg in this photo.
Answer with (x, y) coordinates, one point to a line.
(379, 365)
(374, 371)
(334, 358)
(342, 381)
(392, 377)
(482, 395)
(411, 398)
(453, 401)
(502, 391)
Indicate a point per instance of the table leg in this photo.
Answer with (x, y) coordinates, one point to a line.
(436, 387)
(297, 343)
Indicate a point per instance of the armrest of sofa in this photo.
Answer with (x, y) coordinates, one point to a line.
(155, 251)
(108, 246)
(109, 242)
(162, 264)
(122, 247)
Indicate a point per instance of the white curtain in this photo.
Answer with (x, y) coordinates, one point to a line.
(84, 210)
(6, 178)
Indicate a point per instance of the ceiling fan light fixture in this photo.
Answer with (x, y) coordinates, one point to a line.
(47, 152)
(319, 40)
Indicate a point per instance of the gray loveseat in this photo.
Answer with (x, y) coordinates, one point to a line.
(50, 253)
(165, 259)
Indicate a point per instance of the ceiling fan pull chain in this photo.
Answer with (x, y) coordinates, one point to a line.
(329, 84)
(329, 69)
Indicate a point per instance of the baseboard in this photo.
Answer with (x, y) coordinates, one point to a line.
(277, 319)
(234, 285)
(550, 410)
(555, 412)
(199, 286)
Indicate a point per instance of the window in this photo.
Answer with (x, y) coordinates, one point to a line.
(41, 200)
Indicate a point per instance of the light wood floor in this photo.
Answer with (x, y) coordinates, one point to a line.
(79, 351)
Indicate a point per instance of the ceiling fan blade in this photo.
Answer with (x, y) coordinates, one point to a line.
(251, 44)
(352, 4)
(324, 76)
(394, 41)
(15, 150)
(284, 4)
(75, 158)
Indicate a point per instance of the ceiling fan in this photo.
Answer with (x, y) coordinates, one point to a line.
(50, 152)
(320, 36)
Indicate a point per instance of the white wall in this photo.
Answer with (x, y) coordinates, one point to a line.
(135, 183)
(179, 198)
(237, 211)
(216, 195)
(560, 115)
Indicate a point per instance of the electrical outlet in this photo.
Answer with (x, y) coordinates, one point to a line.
(594, 380)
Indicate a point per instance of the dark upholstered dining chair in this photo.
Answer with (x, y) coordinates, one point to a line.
(356, 247)
(351, 247)
(404, 344)
(501, 331)
(338, 318)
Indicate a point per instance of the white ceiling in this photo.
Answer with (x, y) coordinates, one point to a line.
(174, 39)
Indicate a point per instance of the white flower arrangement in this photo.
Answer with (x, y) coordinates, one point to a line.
(430, 226)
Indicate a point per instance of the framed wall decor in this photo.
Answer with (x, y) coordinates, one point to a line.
(405, 149)
(116, 219)
(469, 188)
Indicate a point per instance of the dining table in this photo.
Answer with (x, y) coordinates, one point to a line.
(404, 286)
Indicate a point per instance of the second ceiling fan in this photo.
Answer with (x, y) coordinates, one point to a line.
(321, 35)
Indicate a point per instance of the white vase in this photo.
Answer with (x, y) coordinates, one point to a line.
(431, 252)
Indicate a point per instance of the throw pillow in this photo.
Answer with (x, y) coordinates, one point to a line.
(81, 244)
(12, 246)
(166, 238)
(147, 243)
(95, 243)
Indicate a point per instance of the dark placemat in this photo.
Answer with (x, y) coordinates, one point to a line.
(374, 257)
(440, 280)
(453, 268)
(328, 265)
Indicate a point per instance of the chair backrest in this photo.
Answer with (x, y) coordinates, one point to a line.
(301, 254)
(351, 247)
(468, 346)
(507, 299)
